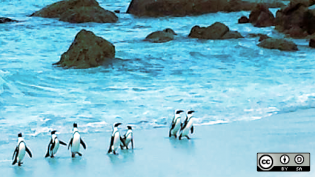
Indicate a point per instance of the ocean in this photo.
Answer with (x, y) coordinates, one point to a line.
(224, 81)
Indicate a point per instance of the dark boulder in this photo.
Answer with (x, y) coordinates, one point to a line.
(280, 44)
(312, 42)
(86, 51)
(243, 19)
(215, 31)
(157, 8)
(261, 16)
(161, 36)
(77, 11)
(6, 20)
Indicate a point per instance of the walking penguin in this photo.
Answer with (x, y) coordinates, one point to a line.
(53, 145)
(127, 138)
(19, 151)
(175, 126)
(115, 139)
(187, 125)
(76, 141)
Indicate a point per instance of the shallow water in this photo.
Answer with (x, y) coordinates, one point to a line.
(222, 80)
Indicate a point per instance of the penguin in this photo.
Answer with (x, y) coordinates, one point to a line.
(75, 142)
(115, 139)
(127, 138)
(19, 151)
(175, 126)
(53, 145)
(187, 125)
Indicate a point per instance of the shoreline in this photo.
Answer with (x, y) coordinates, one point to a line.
(219, 150)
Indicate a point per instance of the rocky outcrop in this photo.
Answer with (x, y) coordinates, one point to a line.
(243, 19)
(215, 31)
(161, 36)
(6, 20)
(312, 42)
(86, 51)
(77, 11)
(261, 16)
(296, 20)
(280, 44)
(157, 8)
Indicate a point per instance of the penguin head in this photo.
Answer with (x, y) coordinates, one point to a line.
(117, 124)
(190, 112)
(129, 127)
(75, 125)
(53, 132)
(20, 135)
(178, 111)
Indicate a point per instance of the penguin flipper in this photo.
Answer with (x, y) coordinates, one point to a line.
(28, 151)
(132, 142)
(63, 143)
(15, 153)
(79, 153)
(52, 145)
(47, 154)
(111, 143)
(83, 144)
(192, 129)
(123, 141)
(70, 143)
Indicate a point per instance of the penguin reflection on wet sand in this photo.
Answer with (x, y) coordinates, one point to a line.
(187, 125)
(115, 139)
(76, 141)
(127, 138)
(19, 151)
(175, 126)
(53, 145)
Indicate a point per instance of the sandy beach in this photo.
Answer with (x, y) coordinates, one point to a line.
(216, 150)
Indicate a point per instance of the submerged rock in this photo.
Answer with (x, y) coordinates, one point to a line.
(157, 8)
(161, 36)
(77, 11)
(312, 42)
(280, 44)
(6, 20)
(261, 16)
(86, 51)
(215, 31)
(243, 19)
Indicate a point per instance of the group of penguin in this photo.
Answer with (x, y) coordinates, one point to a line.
(116, 139)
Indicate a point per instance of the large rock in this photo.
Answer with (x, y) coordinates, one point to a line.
(312, 42)
(77, 11)
(297, 20)
(280, 44)
(86, 51)
(215, 31)
(161, 36)
(6, 20)
(156, 8)
(261, 16)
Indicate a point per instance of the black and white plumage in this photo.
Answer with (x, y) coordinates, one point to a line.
(53, 145)
(127, 138)
(75, 142)
(187, 125)
(19, 152)
(115, 139)
(176, 124)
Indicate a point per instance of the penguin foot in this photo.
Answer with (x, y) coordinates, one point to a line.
(20, 163)
(73, 155)
(175, 136)
(115, 153)
(52, 156)
(121, 147)
(127, 147)
(170, 135)
(180, 137)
